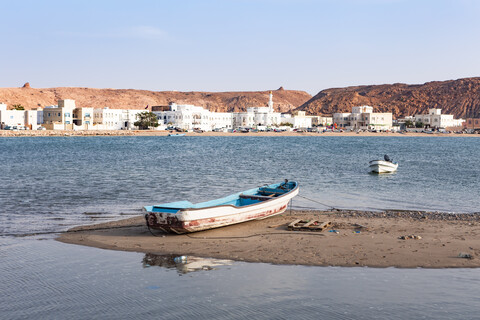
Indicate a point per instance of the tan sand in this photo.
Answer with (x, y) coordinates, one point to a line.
(70, 133)
(377, 243)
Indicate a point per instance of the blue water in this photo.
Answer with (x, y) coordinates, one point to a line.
(51, 184)
(51, 280)
(54, 183)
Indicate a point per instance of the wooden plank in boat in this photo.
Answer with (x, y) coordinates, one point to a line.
(309, 225)
(254, 197)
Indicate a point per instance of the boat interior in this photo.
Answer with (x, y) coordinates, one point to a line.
(245, 198)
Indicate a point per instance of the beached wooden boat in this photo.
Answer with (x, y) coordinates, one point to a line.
(252, 204)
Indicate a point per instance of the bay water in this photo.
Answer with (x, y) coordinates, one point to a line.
(49, 184)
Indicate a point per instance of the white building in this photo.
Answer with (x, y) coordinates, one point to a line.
(59, 117)
(435, 119)
(298, 121)
(321, 121)
(31, 119)
(39, 116)
(11, 118)
(363, 117)
(263, 116)
(66, 116)
(221, 120)
(190, 117)
(114, 119)
(18, 119)
(341, 120)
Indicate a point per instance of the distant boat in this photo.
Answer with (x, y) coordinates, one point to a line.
(383, 166)
(252, 204)
(176, 134)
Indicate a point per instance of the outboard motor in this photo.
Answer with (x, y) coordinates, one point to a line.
(387, 158)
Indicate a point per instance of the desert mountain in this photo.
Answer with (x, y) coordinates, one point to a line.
(458, 97)
(284, 100)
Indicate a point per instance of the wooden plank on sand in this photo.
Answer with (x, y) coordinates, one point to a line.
(293, 225)
(306, 225)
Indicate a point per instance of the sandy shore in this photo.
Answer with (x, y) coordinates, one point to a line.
(361, 239)
(69, 133)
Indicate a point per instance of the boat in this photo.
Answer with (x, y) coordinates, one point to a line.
(176, 134)
(253, 204)
(183, 264)
(383, 166)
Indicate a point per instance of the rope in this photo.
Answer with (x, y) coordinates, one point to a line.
(148, 226)
(323, 204)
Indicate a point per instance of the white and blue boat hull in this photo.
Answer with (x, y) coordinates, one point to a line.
(253, 204)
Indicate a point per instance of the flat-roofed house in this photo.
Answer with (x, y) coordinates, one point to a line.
(363, 117)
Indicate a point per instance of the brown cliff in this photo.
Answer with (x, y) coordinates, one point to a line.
(458, 97)
(284, 100)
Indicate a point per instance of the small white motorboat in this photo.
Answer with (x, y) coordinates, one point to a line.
(383, 166)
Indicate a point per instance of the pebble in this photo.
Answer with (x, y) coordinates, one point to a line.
(416, 215)
(465, 255)
(412, 236)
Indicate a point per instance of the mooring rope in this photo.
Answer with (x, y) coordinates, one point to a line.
(323, 204)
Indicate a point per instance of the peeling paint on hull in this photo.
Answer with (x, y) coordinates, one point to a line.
(192, 220)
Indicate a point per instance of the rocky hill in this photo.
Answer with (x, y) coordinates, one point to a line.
(458, 97)
(284, 100)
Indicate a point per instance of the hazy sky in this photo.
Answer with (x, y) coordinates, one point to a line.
(234, 45)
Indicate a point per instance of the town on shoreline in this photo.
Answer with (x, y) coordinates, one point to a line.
(185, 118)
(165, 133)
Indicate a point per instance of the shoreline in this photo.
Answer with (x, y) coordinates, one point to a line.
(162, 133)
(403, 239)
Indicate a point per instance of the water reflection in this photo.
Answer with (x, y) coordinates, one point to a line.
(183, 264)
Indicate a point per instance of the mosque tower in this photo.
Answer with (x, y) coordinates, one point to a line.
(270, 103)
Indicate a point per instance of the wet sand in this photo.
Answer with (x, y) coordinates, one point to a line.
(371, 239)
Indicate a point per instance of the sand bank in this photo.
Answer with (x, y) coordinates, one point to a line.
(361, 239)
(160, 133)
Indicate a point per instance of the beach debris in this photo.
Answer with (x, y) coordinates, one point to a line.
(358, 226)
(308, 225)
(465, 255)
(356, 231)
(412, 236)
(333, 230)
(276, 225)
(181, 259)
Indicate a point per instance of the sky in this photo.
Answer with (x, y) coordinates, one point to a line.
(236, 45)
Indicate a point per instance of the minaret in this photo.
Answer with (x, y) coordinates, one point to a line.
(270, 103)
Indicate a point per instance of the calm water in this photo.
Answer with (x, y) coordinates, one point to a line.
(54, 183)
(51, 184)
(51, 280)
